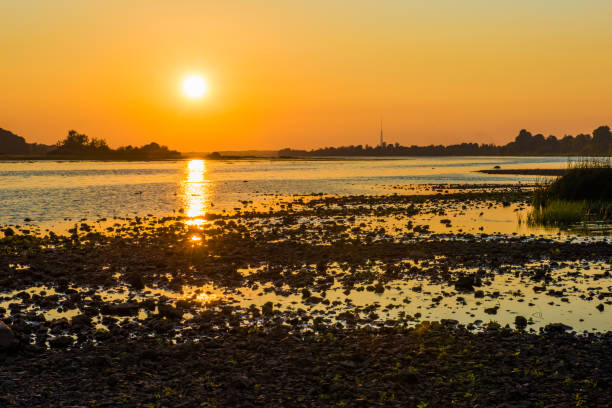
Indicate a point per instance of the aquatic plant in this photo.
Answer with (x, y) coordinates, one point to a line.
(558, 213)
(583, 193)
(587, 179)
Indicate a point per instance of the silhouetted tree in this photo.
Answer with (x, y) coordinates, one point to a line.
(602, 138)
(79, 145)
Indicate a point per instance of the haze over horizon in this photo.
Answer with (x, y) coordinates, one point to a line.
(301, 74)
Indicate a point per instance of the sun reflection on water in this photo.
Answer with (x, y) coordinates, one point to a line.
(207, 297)
(196, 192)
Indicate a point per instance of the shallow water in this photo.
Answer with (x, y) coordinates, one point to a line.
(583, 286)
(50, 193)
(56, 195)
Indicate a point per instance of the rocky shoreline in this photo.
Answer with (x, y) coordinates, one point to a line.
(152, 311)
(431, 365)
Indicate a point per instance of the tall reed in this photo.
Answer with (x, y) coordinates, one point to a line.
(584, 192)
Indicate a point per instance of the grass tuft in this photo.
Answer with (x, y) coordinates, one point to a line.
(586, 180)
(558, 213)
(584, 192)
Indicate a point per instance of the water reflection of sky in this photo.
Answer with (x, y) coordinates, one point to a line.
(55, 194)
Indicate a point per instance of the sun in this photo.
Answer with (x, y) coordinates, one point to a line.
(195, 86)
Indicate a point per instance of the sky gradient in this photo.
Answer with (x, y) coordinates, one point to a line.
(304, 74)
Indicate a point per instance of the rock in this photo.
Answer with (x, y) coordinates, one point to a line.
(122, 309)
(267, 308)
(408, 377)
(310, 300)
(135, 280)
(112, 380)
(148, 304)
(520, 322)
(7, 337)
(61, 342)
(169, 312)
(81, 320)
(491, 310)
(148, 354)
(557, 328)
(184, 304)
(493, 326)
(23, 295)
(465, 284)
(600, 307)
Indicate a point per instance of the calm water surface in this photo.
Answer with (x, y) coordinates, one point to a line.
(49, 192)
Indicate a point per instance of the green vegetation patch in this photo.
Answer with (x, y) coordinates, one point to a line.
(583, 193)
(558, 212)
(581, 183)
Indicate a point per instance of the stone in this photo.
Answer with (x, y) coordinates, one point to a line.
(169, 312)
(520, 322)
(491, 310)
(122, 309)
(267, 308)
(7, 337)
(557, 328)
(135, 281)
(465, 284)
(61, 342)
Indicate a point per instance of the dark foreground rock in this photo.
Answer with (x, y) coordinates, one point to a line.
(432, 365)
(7, 337)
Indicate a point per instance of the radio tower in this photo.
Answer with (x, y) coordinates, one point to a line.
(382, 142)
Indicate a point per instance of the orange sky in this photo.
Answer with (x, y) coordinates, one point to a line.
(304, 73)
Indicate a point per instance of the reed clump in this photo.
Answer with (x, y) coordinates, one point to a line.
(583, 193)
(558, 212)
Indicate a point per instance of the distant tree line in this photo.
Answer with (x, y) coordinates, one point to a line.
(599, 143)
(11, 144)
(79, 145)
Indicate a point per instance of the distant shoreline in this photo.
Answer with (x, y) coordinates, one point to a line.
(526, 172)
(69, 158)
(283, 158)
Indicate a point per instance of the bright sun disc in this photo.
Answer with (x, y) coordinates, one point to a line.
(194, 86)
